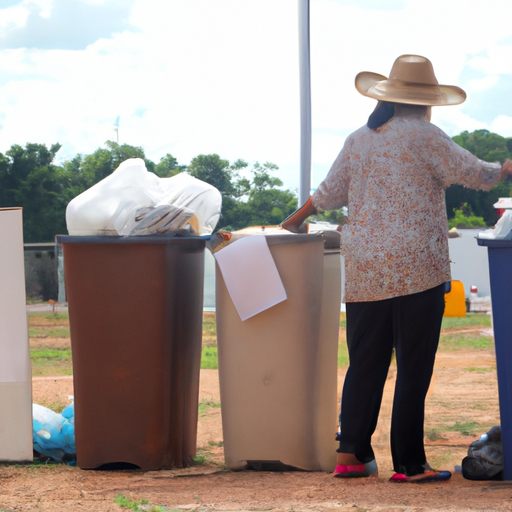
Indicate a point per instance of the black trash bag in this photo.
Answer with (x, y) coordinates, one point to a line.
(485, 457)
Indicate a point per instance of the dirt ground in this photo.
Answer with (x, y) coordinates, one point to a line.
(464, 390)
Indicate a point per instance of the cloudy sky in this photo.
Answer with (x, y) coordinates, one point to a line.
(190, 77)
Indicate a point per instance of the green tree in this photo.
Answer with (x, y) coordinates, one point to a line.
(484, 144)
(168, 166)
(490, 147)
(104, 161)
(464, 218)
(226, 179)
(28, 178)
(264, 202)
(217, 172)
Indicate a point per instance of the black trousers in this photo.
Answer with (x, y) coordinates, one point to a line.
(410, 325)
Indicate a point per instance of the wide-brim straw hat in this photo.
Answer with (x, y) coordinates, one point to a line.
(412, 81)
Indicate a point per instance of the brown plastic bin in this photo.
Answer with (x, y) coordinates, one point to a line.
(278, 369)
(135, 311)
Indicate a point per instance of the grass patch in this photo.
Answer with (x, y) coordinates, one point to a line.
(129, 504)
(470, 320)
(57, 404)
(51, 361)
(37, 464)
(48, 332)
(343, 320)
(465, 341)
(209, 329)
(202, 457)
(342, 355)
(47, 362)
(48, 325)
(478, 370)
(50, 353)
(209, 360)
(434, 435)
(466, 429)
(204, 405)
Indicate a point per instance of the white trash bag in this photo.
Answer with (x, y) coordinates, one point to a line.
(132, 201)
(503, 228)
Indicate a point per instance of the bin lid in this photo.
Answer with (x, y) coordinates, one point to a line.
(493, 242)
(276, 236)
(146, 239)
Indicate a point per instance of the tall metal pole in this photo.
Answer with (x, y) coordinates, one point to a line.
(305, 103)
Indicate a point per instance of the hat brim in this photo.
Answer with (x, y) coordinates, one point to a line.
(381, 88)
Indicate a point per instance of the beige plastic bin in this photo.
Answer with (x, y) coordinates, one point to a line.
(15, 370)
(278, 369)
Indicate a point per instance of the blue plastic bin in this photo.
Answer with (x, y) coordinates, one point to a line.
(500, 274)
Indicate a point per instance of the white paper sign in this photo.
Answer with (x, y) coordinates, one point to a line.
(251, 276)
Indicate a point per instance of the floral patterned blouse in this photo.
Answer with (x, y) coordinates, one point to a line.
(393, 179)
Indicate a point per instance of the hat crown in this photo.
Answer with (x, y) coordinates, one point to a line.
(411, 81)
(414, 69)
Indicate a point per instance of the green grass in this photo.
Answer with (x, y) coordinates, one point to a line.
(470, 320)
(51, 361)
(48, 325)
(466, 428)
(204, 405)
(129, 504)
(49, 316)
(465, 341)
(48, 332)
(342, 355)
(209, 329)
(58, 361)
(202, 457)
(434, 435)
(209, 359)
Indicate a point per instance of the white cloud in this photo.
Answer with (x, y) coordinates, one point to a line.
(502, 125)
(15, 16)
(496, 60)
(484, 83)
(204, 76)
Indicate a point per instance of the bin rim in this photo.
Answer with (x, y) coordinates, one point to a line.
(495, 243)
(331, 239)
(144, 239)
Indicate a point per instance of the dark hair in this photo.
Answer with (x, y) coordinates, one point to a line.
(383, 112)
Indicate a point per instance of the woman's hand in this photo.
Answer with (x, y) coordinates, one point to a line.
(295, 221)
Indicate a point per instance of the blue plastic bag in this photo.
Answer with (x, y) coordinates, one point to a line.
(53, 434)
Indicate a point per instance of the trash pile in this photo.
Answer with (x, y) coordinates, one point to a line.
(503, 228)
(485, 457)
(133, 201)
(53, 434)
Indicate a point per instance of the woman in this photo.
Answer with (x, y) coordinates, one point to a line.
(392, 174)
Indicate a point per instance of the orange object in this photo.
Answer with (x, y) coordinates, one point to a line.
(455, 300)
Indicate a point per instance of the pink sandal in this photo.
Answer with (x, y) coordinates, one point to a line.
(355, 470)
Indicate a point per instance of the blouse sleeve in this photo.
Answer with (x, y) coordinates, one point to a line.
(332, 193)
(455, 164)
